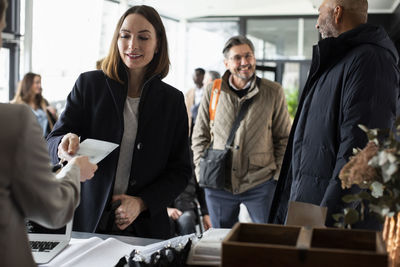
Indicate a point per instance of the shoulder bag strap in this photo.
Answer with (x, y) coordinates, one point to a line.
(215, 92)
(236, 123)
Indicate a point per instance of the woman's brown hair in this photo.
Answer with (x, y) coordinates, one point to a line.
(3, 7)
(160, 62)
(24, 92)
(24, 95)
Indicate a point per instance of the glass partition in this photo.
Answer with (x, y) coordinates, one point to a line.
(285, 43)
(286, 38)
(205, 41)
(274, 38)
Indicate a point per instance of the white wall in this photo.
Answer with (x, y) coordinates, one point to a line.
(66, 36)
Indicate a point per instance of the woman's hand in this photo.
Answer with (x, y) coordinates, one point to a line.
(128, 211)
(174, 213)
(68, 146)
(87, 168)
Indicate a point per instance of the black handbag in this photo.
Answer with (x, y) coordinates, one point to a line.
(214, 167)
(215, 164)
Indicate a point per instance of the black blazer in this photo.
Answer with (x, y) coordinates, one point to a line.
(160, 165)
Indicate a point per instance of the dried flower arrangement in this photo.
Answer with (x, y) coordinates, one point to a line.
(376, 170)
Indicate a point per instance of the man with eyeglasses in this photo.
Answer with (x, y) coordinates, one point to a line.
(259, 142)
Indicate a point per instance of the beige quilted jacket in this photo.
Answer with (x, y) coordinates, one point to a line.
(260, 140)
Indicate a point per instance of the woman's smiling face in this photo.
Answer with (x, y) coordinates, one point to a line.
(137, 42)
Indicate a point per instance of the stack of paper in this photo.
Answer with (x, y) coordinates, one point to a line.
(207, 250)
(92, 252)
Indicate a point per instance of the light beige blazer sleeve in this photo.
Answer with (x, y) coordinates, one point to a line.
(36, 191)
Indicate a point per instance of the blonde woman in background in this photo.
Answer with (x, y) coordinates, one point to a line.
(30, 92)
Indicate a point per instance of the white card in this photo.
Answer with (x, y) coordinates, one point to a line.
(96, 150)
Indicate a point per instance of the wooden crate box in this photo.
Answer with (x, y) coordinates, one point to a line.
(276, 245)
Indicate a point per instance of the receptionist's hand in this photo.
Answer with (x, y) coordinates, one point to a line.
(68, 146)
(128, 211)
(87, 169)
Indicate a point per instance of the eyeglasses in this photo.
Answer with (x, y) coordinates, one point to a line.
(238, 58)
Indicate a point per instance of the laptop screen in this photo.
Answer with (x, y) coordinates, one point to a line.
(34, 228)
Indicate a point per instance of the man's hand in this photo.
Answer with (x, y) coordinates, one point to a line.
(68, 147)
(128, 211)
(174, 213)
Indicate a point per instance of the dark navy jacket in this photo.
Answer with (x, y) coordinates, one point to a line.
(161, 163)
(354, 79)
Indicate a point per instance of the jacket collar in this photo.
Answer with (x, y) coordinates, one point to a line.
(253, 90)
(119, 91)
(123, 74)
(330, 50)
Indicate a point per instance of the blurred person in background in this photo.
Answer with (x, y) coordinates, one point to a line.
(29, 92)
(193, 97)
(210, 76)
(187, 208)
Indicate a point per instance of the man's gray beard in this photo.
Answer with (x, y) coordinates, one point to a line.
(243, 77)
(246, 79)
(329, 30)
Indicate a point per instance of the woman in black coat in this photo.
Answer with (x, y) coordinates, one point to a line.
(127, 103)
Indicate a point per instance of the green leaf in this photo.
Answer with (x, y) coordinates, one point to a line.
(375, 208)
(391, 214)
(338, 225)
(385, 173)
(373, 132)
(351, 198)
(365, 195)
(382, 158)
(337, 216)
(351, 216)
(377, 189)
(374, 162)
(392, 169)
(392, 158)
(386, 212)
(381, 210)
(396, 193)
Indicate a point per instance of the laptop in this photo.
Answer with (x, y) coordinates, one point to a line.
(47, 243)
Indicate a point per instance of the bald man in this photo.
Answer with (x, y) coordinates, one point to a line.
(353, 80)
